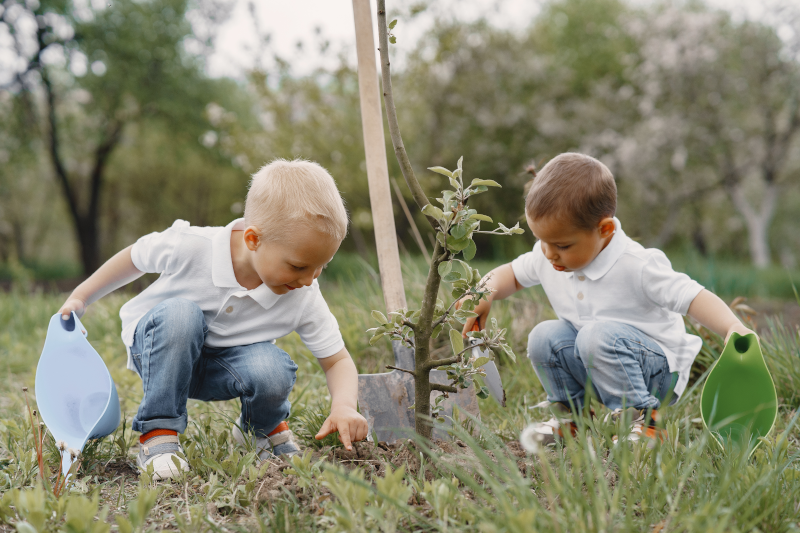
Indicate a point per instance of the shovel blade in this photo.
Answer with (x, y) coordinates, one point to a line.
(493, 381)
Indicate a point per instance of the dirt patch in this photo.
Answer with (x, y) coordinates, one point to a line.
(373, 457)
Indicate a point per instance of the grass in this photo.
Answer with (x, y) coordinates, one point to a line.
(479, 481)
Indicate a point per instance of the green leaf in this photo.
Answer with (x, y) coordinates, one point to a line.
(380, 317)
(454, 184)
(393, 39)
(441, 170)
(375, 339)
(460, 161)
(489, 183)
(509, 352)
(477, 216)
(456, 245)
(392, 24)
(482, 393)
(452, 276)
(433, 211)
(469, 251)
(123, 523)
(480, 361)
(445, 267)
(456, 341)
(459, 231)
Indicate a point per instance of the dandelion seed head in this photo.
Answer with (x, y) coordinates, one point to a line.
(35, 412)
(531, 440)
(24, 389)
(73, 454)
(61, 445)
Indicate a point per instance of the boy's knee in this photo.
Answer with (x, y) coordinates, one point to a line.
(541, 340)
(182, 317)
(272, 378)
(596, 339)
(180, 314)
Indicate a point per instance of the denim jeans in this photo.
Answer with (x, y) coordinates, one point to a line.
(170, 356)
(627, 368)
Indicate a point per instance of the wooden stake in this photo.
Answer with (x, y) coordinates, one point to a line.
(377, 169)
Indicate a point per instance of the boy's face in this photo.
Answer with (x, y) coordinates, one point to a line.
(292, 263)
(569, 248)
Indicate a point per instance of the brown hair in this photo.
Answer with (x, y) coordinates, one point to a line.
(574, 188)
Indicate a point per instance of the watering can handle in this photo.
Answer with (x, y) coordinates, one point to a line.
(69, 324)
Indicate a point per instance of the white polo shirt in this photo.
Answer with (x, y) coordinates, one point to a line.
(625, 283)
(195, 264)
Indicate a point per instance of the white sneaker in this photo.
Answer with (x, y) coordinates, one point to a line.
(162, 453)
(550, 431)
(642, 426)
(281, 443)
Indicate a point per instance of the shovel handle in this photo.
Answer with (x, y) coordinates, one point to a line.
(476, 326)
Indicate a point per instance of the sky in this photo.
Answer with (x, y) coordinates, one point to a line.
(290, 21)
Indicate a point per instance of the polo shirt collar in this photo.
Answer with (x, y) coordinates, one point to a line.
(222, 267)
(606, 259)
(221, 262)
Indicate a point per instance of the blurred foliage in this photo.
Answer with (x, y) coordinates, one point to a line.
(694, 110)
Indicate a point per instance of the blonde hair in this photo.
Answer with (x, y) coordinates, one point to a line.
(574, 188)
(284, 194)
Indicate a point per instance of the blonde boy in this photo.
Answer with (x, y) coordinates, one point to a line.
(618, 304)
(206, 328)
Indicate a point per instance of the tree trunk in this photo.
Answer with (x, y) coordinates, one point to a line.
(757, 222)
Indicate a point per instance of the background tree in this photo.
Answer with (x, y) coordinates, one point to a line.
(92, 73)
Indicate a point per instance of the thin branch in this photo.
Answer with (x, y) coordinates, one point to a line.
(442, 318)
(444, 388)
(414, 229)
(391, 113)
(402, 370)
(433, 363)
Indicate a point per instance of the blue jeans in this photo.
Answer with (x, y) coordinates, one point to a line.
(627, 368)
(170, 356)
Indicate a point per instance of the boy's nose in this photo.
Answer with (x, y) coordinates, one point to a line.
(309, 279)
(548, 252)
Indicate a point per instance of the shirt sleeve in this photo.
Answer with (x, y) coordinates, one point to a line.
(318, 328)
(666, 288)
(524, 267)
(152, 253)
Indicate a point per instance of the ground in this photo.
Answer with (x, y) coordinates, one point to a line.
(481, 479)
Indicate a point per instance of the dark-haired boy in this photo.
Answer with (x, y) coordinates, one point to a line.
(618, 304)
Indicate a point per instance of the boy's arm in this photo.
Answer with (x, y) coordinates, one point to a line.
(116, 272)
(342, 377)
(708, 309)
(503, 283)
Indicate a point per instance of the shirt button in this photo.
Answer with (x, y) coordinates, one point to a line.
(582, 278)
(580, 296)
(229, 309)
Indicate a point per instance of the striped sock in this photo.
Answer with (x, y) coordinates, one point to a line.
(158, 433)
(283, 426)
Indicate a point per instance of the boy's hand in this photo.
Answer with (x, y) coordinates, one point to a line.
(73, 304)
(348, 422)
(482, 309)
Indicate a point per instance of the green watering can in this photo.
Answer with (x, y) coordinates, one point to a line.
(738, 403)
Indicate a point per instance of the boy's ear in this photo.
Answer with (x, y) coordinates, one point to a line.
(251, 239)
(606, 227)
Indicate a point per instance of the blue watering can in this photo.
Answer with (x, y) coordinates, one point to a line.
(76, 396)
